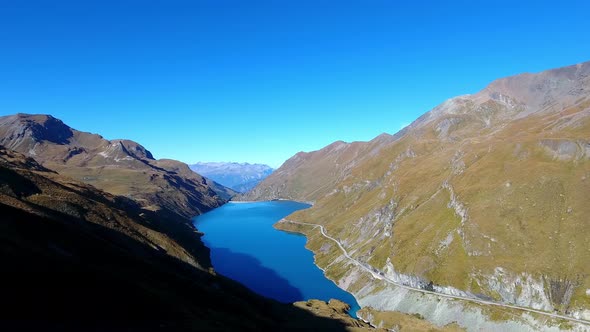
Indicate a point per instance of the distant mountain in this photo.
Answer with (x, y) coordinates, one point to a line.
(240, 177)
(484, 197)
(120, 167)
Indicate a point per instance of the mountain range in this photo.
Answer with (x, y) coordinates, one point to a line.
(485, 198)
(120, 167)
(240, 177)
(474, 216)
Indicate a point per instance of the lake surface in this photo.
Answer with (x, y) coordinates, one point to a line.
(246, 248)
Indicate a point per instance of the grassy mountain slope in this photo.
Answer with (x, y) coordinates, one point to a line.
(120, 167)
(309, 176)
(485, 196)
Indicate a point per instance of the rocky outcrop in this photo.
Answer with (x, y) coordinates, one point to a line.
(335, 309)
(567, 150)
(403, 322)
(24, 135)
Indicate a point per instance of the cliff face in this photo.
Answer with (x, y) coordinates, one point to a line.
(77, 258)
(484, 196)
(120, 167)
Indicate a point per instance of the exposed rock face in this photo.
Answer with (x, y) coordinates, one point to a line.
(241, 177)
(33, 129)
(335, 309)
(120, 167)
(395, 321)
(484, 196)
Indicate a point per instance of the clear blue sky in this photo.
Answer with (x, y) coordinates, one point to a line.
(258, 81)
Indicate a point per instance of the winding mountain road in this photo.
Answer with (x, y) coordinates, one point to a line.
(382, 277)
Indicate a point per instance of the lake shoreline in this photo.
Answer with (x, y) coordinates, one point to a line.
(311, 203)
(238, 238)
(284, 221)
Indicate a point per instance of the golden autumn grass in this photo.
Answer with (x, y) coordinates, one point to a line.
(522, 178)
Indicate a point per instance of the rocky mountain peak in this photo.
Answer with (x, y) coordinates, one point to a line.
(46, 128)
(134, 149)
(120, 167)
(506, 100)
(25, 130)
(540, 91)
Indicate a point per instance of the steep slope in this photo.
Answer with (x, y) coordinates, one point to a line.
(120, 167)
(309, 176)
(240, 177)
(76, 258)
(483, 197)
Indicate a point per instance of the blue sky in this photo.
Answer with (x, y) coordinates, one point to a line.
(258, 81)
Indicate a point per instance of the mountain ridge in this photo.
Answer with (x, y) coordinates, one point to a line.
(119, 166)
(445, 202)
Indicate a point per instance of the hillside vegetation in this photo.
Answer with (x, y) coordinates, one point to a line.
(120, 167)
(484, 196)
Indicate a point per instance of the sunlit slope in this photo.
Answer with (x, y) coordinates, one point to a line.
(309, 176)
(485, 196)
(120, 167)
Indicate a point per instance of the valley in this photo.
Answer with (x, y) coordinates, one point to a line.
(354, 166)
(78, 257)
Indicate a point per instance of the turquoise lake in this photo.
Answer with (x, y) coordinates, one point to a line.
(245, 247)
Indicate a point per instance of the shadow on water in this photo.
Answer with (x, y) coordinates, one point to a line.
(249, 271)
(66, 274)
